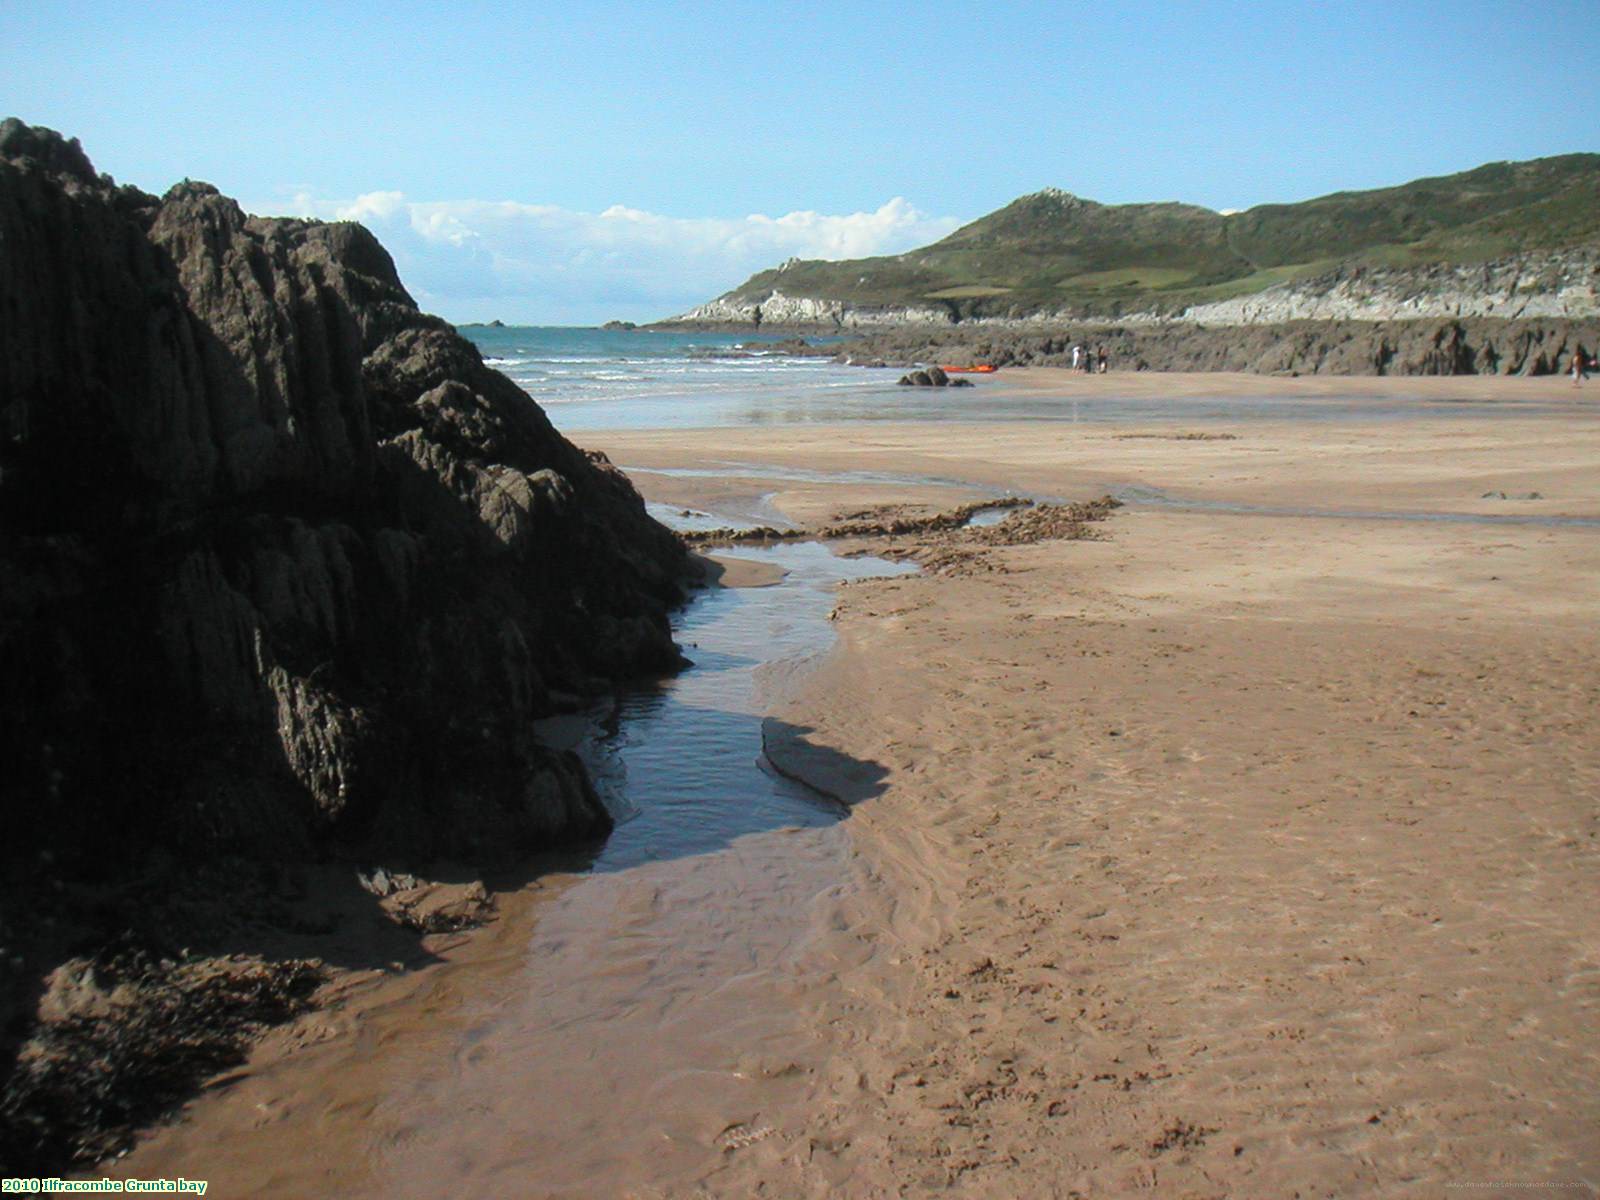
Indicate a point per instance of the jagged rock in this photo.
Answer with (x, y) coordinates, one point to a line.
(1469, 345)
(793, 345)
(931, 377)
(288, 569)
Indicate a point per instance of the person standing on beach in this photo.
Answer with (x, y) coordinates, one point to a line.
(1100, 358)
(1580, 366)
(1076, 351)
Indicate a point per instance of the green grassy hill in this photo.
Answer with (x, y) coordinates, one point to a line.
(1052, 250)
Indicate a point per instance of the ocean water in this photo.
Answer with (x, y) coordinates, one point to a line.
(597, 379)
(589, 379)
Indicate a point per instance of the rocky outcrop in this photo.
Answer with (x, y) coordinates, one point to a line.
(1558, 284)
(931, 377)
(1481, 345)
(287, 568)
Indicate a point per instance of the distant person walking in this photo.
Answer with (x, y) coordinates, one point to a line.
(1580, 367)
(1100, 358)
(1077, 352)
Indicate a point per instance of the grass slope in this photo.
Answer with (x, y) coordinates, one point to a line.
(1054, 250)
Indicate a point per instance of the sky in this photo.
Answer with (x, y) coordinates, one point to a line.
(570, 163)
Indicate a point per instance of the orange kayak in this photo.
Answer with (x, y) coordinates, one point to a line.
(980, 369)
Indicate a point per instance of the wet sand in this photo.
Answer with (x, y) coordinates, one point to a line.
(1235, 854)
(632, 1010)
(1059, 381)
(1232, 854)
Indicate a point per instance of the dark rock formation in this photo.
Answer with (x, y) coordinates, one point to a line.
(790, 345)
(286, 567)
(925, 377)
(1463, 346)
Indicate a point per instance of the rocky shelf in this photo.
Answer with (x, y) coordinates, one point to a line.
(1431, 346)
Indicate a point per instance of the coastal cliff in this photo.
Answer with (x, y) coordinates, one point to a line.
(1554, 285)
(1504, 241)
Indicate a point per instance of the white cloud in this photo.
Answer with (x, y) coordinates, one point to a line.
(478, 259)
(374, 206)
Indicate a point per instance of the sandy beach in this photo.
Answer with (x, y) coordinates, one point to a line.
(1236, 853)
(1058, 381)
(1244, 847)
(562, 641)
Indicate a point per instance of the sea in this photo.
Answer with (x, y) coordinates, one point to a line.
(589, 379)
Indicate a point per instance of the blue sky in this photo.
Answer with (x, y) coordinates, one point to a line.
(567, 163)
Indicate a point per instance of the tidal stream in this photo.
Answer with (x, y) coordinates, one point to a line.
(626, 1017)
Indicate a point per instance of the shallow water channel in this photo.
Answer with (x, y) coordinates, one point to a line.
(682, 766)
(626, 1016)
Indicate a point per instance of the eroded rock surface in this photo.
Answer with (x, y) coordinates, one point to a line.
(286, 566)
(1454, 346)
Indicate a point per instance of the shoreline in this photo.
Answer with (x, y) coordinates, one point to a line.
(1352, 347)
(1236, 853)
(311, 1077)
(1228, 850)
(1064, 382)
(1529, 436)
(284, 957)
